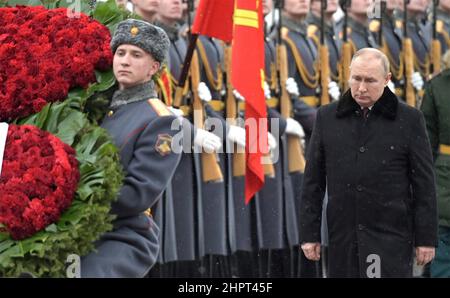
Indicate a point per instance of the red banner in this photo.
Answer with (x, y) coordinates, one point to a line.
(214, 18)
(248, 79)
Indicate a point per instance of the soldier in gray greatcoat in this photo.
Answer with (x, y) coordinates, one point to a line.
(140, 125)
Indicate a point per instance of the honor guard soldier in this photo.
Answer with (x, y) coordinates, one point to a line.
(332, 43)
(276, 226)
(186, 213)
(140, 125)
(420, 35)
(389, 39)
(358, 32)
(218, 196)
(215, 65)
(304, 90)
(303, 52)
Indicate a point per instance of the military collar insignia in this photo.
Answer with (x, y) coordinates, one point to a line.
(374, 26)
(313, 31)
(163, 144)
(439, 26)
(386, 105)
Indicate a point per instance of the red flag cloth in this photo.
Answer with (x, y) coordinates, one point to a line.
(247, 78)
(214, 18)
(165, 86)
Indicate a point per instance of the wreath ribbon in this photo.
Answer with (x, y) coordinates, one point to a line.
(3, 134)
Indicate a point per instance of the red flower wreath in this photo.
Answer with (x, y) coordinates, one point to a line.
(38, 180)
(44, 53)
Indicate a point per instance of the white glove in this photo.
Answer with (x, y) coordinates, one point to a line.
(272, 142)
(417, 81)
(333, 90)
(203, 92)
(267, 93)
(294, 128)
(236, 135)
(208, 141)
(292, 87)
(391, 86)
(238, 95)
(176, 112)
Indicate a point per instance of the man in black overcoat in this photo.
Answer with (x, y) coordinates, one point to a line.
(373, 154)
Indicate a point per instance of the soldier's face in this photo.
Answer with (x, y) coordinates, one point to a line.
(391, 5)
(267, 6)
(149, 6)
(367, 80)
(332, 6)
(414, 5)
(171, 10)
(184, 8)
(360, 6)
(296, 8)
(418, 5)
(133, 66)
(445, 5)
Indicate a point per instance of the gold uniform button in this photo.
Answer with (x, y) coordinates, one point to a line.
(110, 113)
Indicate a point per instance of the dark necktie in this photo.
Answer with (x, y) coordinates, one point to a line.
(365, 112)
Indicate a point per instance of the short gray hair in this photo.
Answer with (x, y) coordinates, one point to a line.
(376, 54)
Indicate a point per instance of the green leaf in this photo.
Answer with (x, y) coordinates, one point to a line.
(89, 141)
(70, 127)
(105, 80)
(108, 14)
(24, 2)
(6, 244)
(51, 228)
(38, 119)
(5, 256)
(4, 236)
(77, 94)
(52, 117)
(77, 6)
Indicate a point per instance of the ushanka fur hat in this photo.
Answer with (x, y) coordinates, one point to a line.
(146, 36)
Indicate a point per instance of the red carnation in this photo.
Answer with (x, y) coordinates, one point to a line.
(38, 181)
(43, 54)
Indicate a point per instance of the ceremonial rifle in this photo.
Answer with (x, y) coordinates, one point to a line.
(210, 168)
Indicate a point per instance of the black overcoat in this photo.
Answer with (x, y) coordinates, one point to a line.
(379, 174)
